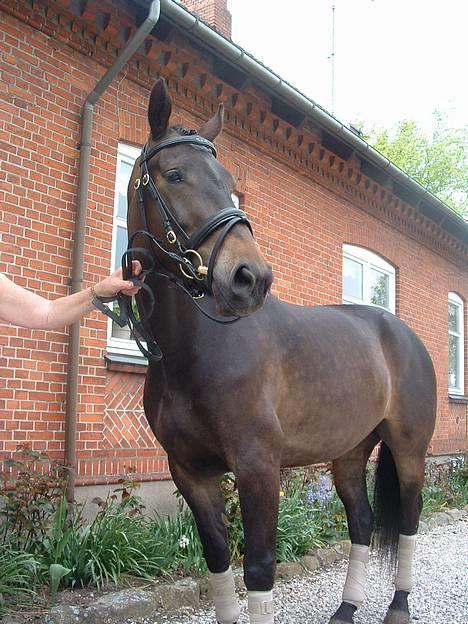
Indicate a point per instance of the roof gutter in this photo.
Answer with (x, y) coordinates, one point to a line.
(80, 229)
(239, 57)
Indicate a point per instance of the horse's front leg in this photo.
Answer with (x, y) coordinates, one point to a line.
(205, 499)
(258, 482)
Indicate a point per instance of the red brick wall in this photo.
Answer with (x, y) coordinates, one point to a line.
(304, 203)
(213, 12)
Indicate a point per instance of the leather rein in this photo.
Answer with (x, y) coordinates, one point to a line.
(195, 279)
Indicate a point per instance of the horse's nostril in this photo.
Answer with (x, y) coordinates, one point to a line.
(243, 280)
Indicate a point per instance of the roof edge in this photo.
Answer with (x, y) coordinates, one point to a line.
(237, 56)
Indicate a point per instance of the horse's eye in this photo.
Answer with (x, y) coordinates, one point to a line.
(173, 177)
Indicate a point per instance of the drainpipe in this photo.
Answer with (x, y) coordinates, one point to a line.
(79, 234)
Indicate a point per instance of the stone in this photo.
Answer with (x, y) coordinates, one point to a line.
(203, 586)
(423, 527)
(129, 603)
(342, 548)
(441, 518)
(432, 524)
(183, 593)
(239, 580)
(327, 556)
(288, 569)
(455, 514)
(310, 563)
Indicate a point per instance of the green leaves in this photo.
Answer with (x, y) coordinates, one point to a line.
(438, 161)
(56, 574)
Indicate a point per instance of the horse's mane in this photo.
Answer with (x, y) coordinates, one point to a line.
(183, 131)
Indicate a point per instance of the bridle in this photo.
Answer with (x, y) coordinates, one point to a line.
(195, 279)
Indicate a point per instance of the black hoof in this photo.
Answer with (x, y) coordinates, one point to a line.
(344, 615)
(398, 611)
(397, 617)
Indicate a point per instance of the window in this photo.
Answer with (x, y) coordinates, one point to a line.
(367, 278)
(456, 344)
(119, 337)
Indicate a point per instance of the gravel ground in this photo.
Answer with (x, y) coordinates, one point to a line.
(440, 595)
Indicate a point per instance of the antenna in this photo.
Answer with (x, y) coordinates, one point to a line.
(332, 56)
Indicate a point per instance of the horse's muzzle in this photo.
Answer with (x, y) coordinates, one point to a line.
(246, 291)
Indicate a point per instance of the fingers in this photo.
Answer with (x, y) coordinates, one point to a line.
(136, 267)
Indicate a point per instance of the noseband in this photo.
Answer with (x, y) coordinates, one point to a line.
(195, 279)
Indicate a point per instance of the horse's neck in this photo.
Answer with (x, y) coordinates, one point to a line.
(175, 326)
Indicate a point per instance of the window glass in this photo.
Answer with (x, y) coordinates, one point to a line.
(123, 178)
(367, 278)
(120, 244)
(379, 288)
(453, 317)
(454, 362)
(352, 278)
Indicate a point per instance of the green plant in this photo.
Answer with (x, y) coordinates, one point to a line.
(17, 575)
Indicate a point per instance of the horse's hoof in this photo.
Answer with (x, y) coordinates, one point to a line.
(395, 616)
(344, 614)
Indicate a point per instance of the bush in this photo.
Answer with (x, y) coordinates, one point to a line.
(446, 484)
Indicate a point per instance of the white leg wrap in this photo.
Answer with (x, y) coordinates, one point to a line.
(353, 591)
(404, 575)
(261, 607)
(223, 594)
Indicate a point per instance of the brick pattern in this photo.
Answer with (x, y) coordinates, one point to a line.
(50, 60)
(213, 12)
(125, 424)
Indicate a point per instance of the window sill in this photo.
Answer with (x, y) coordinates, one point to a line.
(120, 363)
(458, 398)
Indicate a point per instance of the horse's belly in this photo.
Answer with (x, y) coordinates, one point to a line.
(323, 432)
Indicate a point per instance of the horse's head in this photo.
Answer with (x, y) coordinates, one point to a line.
(186, 198)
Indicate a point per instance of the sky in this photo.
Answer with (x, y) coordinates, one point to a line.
(394, 59)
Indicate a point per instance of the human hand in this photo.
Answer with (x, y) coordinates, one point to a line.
(115, 283)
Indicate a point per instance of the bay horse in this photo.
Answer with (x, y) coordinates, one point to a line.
(284, 386)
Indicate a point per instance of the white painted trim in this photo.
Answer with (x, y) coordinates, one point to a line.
(456, 300)
(127, 154)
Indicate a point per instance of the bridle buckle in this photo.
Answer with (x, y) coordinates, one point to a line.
(171, 237)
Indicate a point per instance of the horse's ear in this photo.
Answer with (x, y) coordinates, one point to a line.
(159, 109)
(213, 126)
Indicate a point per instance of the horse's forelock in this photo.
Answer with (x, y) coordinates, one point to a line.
(183, 131)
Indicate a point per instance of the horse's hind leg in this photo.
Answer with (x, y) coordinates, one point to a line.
(205, 499)
(349, 472)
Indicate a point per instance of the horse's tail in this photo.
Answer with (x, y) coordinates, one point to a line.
(386, 506)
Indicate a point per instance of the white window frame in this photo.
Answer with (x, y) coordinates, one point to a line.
(124, 346)
(457, 301)
(370, 260)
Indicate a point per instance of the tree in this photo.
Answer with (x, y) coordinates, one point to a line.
(439, 161)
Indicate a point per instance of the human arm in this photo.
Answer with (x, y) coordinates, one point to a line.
(27, 309)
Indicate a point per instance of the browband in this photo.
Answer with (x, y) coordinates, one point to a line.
(192, 139)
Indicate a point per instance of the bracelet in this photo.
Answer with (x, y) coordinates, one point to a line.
(93, 292)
